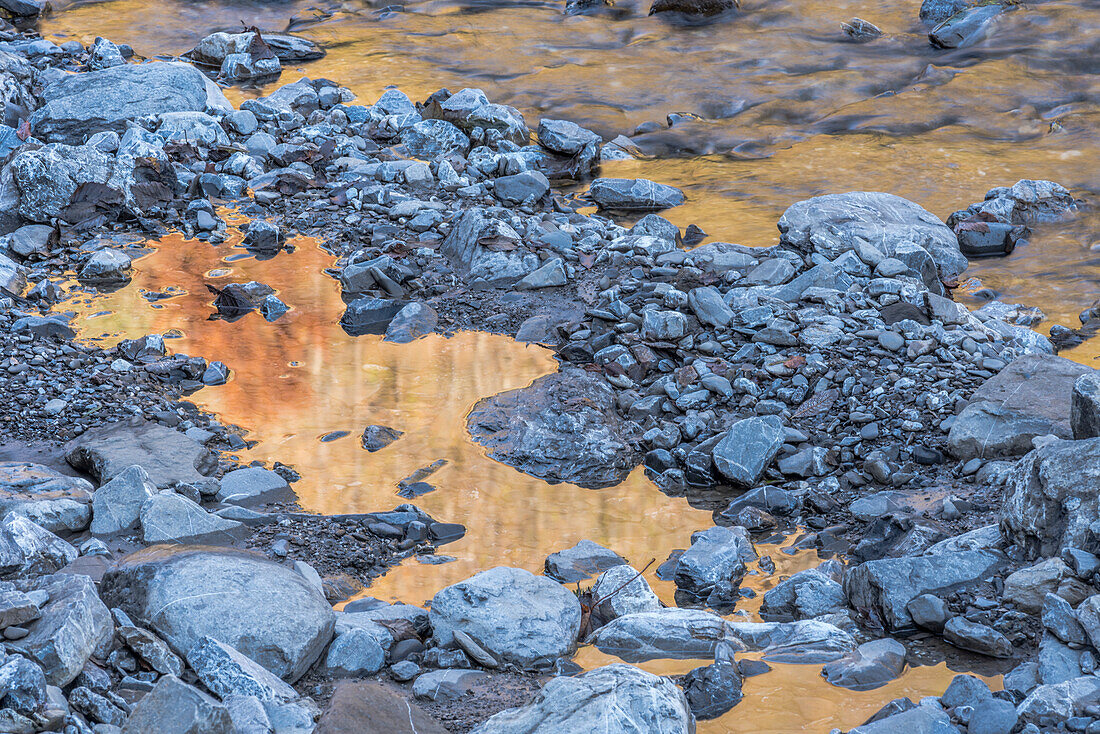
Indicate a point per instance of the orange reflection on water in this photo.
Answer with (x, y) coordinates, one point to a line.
(302, 377)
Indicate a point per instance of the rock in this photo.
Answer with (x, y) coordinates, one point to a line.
(116, 506)
(967, 27)
(1030, 397)
(173, 707)
(712, 690)
(513, 615)
(614, 699)
(882, 589)
(73, 626)
(581, 562)
(31, 549)
(1084, 415)
(928, 612)
(166, 455)
(435, 138)
(482, 247)
(168, 517)
(1057, 662)
(354, 653)
(213, 49)
(860, 30)
(1088, 615)
(197, 129)
(709, 307)
(704, 8)
(22, 685)
(978, 638)
(551, 275)
(239, 67)
(712, 568)
(253, 485)
(667, 633)
(565, 137)
(872, 665)
(934, 12)
(412, 322)
(151, 649)
(263, 236)
(836, 223)
(370, 315)
(33, 239)
(266, 611)
(748, 448)
(634, 194)
(1028, 587)
(622, 590)
(814, 592)
(806, 641)
(524, 186)
(563, 427)
(663, 325)
(1051, 499)
(919, 720)
(53, 501)
(1049, 704)
(993, 716)
(1058, 617)
(358, 707)
(446, 685)
(106, 266)
(79, 105)
(13, 276)
(70, 182)
(226, 672)
(16, 608)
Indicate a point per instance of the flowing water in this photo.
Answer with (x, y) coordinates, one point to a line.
(786, 109)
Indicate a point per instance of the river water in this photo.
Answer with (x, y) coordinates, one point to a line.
(786, 109)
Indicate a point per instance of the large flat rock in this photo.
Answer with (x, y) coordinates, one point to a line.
(266, 611)
(167, 456)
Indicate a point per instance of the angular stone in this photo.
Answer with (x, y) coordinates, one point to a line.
(1049, 704)
(1028, 587)
(483, 247)
(709, 307)
(412, 322)
(615, 699)
(967, 27)
(173, 707)
(226, 672)
(167, 456)
(22, 685)
(670, 633)
(978, 638)
(520, 187)
(168, 517)
(712, 568)
(358, 707)
(370, 315)
(581, 562)
(446, 685)
(813, 592)
(563, 427)
(355, 652)
(748, 448)
(42, 551)
(634, 194)
(565, 137)
(376, 438)
(882, 589)
(712, 690)
(1084, 416)
(267, 612)
(515, 616)
(805, 641)
(253, 485)
(151, 649)
(622, 590)
(116, 506)
(919, 720)
(872, 665)
(74, 625)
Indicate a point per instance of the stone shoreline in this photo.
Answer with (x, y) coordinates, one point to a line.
(827, 385)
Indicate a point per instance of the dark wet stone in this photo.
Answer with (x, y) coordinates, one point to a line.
(712, 690)
(370, 315)
(704, 8)
(376, 438)
(583, 561)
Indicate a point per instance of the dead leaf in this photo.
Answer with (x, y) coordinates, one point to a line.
(795, 362)
(817, 404)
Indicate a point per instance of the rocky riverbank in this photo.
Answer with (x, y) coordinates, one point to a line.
(828, 386)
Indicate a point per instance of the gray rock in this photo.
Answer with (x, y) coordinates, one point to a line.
(813, 592)
(266, 611)
(33, 239)
(376, 438)
(240, 67)
(474, 248)
(928, 612)
(116, 506)
(663, 325)
(521, 187)
(748, 448)
(872, 665)
(712, 690)
(622, 590)
(806, 641)
(370, 315)
(263, 236)
(1058, 617)
(13, 277)
(50, 181)
(634, 194)
(412, 322)
(173, 707)
(445, 685)
(167, 456)
(565, 137)
(1088, 615)
(513, 615)
(882, 589)
(32, 549)
(1049, 704)
(168, 517)
(248, 715)
(978, 638)
(213, 49)
(1052, 498)
(709, 306)
(192, 128)
(993, 716)
(22, 685)
(78, 105)
(919, 720)
(1084, 416)
(615, 699)
(16, 608)
(934, 12)
(226, 672)
(253, 485)
(967, 27)
(53, 501)
(1028, 587)
(435, 138)
(773, 271)
(151, 649)
(836, 223)
(666, 633)
(1030, 397)
(74, 626)
(355, 652)
(581, 562)
(106, 266)
(551, 274)
(563, 427)
(1057, 662)
(712, 568)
